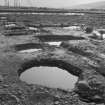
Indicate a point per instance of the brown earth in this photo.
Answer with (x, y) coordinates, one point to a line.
(82, 58)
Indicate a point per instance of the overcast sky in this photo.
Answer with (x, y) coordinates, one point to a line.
(52, 3)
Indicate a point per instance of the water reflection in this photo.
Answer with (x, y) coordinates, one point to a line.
(49, 76)
(43, 13)
(29, 50)
(54, 43)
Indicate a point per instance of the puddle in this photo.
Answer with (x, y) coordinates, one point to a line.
(103, 36)
(43, 13)
(72, 28)
(29, 50)
(54, 43)
(49, 76)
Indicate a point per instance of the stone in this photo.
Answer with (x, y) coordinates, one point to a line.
(57, 103)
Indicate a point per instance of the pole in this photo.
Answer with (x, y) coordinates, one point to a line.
(6, 3)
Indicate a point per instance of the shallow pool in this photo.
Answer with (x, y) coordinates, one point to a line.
(29, 50)
(49, 76)
(54, 43)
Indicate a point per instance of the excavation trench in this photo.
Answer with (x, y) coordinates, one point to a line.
(45, 66)
(51, 73)
(51, 38)
(27, 46)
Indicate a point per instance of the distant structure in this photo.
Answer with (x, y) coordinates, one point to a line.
(16, 3)
(6, 3)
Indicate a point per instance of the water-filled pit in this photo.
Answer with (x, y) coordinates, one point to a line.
(54, 43)
(29, 50)
(52, 77)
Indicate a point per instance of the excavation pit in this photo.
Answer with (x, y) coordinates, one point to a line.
(29, 50)
(52, 77)
(54, 43)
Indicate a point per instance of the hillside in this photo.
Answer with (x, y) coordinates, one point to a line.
(95, 5)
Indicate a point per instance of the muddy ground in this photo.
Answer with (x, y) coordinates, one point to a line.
(78, 54)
